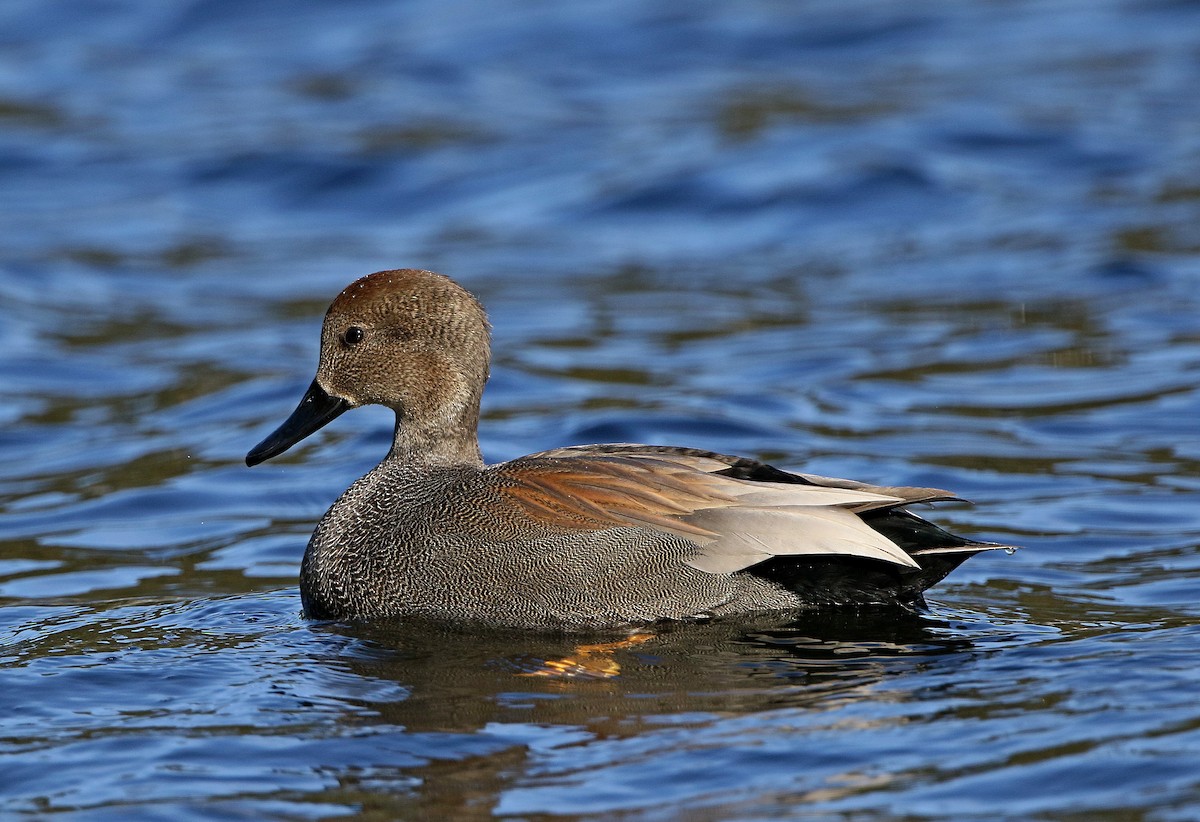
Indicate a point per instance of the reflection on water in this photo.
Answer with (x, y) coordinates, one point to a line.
(944, 245)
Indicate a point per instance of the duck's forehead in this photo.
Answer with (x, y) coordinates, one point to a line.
(383, 285)
(405, 288)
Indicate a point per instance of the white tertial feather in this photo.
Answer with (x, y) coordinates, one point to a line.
(969, 548)
(748, 536)
(781, 494)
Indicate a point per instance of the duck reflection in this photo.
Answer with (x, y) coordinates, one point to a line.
(461, 678)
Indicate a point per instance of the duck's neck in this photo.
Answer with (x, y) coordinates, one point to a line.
(457, 443)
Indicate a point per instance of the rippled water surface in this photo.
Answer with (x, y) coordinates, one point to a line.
(929, 243)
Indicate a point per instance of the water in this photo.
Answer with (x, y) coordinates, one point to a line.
(929, 243)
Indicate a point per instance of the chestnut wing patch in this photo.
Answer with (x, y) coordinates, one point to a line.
(594, 494)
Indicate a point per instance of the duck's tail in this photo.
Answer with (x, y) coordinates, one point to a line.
(848, 580)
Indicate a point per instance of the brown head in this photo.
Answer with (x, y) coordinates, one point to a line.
(412, 340)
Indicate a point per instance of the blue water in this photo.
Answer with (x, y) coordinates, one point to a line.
(930, 243)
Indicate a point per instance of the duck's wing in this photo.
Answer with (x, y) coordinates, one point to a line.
(745, 468)
(736, 522)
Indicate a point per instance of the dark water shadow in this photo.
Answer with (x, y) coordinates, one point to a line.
(460, 679)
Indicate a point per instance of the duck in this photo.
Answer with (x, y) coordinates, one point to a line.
(577, 538)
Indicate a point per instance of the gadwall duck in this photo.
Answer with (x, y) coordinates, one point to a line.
(586, 537)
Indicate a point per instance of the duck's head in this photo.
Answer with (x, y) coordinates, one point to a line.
(412, 340)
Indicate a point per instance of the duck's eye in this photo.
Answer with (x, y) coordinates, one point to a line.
(353, 335)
